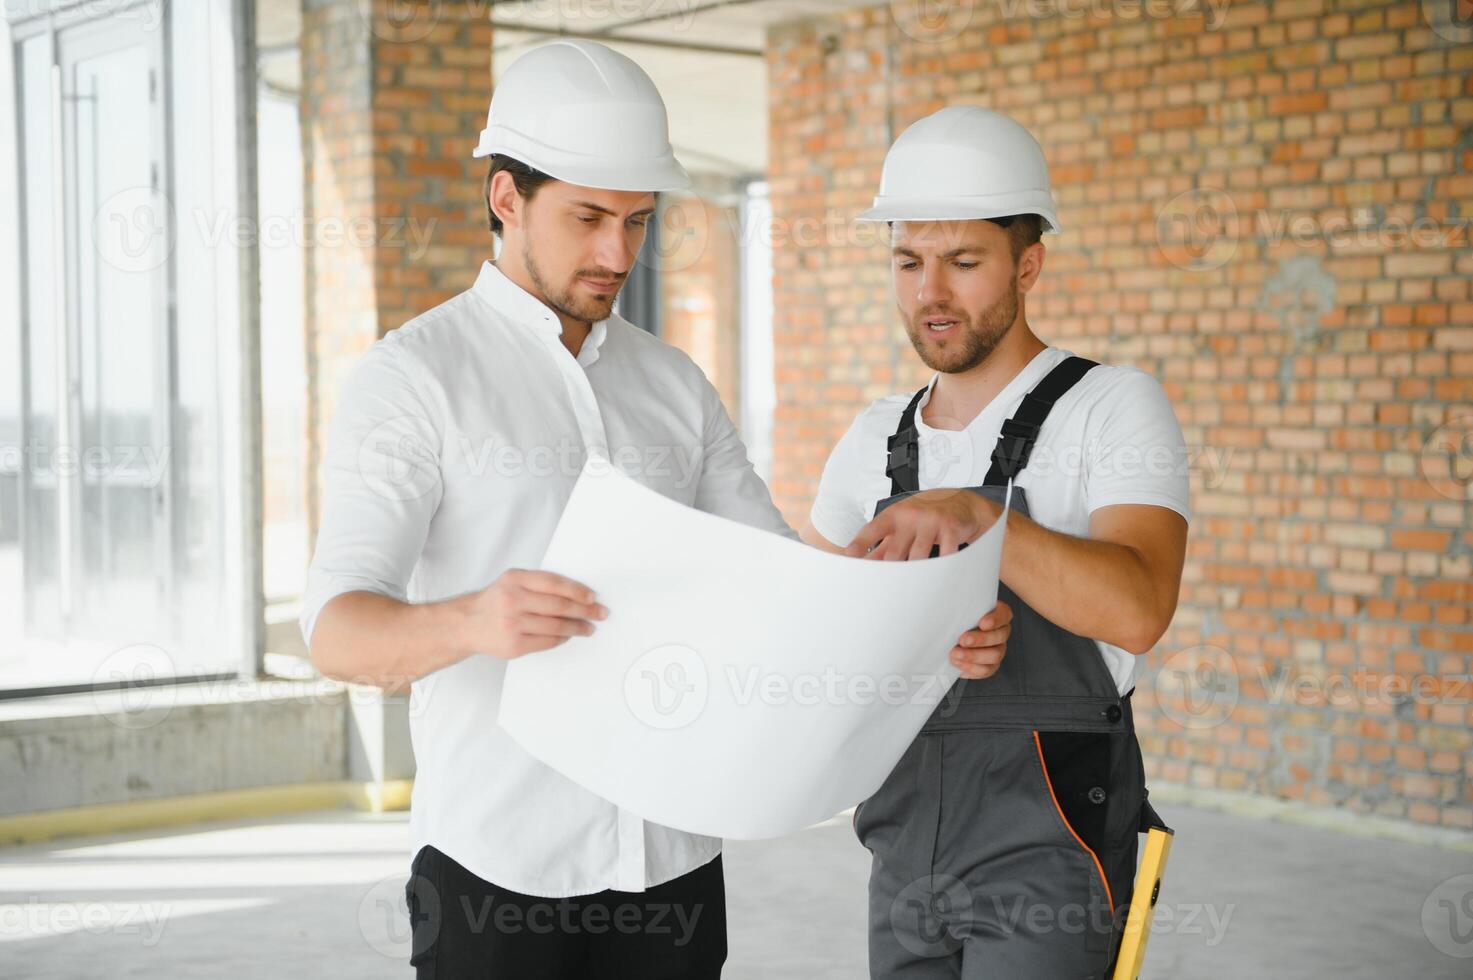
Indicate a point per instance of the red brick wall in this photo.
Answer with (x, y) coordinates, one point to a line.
(1322, 372)
(393, 95)
(432, 84)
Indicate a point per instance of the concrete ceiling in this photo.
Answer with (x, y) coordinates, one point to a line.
(704, 55)
(278, 28)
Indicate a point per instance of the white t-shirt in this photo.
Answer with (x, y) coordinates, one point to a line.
(1112, 439)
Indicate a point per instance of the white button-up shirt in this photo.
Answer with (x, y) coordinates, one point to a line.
(455, 446)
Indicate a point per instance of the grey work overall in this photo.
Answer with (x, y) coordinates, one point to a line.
(1004, 841)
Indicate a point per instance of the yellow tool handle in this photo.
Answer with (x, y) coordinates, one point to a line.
(1143, 904)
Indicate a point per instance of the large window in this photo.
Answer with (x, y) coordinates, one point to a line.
(121, 486)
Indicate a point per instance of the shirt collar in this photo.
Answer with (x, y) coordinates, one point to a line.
(588, 353)
(925, 400)
(511, 300)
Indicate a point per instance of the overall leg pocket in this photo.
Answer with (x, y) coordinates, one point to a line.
(423, 898)
(898, 823)
(1127, 799)
(1077, 769)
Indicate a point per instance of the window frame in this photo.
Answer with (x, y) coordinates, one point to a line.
(241, 585)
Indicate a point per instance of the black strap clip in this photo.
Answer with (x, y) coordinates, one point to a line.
(903, 457)
(1014, 446)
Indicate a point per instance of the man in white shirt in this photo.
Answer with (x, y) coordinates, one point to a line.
(1024, 866)
(456, 443)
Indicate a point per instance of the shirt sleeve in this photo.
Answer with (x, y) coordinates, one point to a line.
(729, 485)
(838, 512)
(1136, 451)
(381, 483)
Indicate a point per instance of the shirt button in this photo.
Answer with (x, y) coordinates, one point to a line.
(1097, 794)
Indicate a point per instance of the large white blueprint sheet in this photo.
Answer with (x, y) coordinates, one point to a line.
(744, 685)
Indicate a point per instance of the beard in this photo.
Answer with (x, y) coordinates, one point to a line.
(566, 300)
(976, 338)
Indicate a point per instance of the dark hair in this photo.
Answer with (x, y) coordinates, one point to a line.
(1023, 230)
(526, 178)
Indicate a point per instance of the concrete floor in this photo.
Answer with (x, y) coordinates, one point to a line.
(314, 896)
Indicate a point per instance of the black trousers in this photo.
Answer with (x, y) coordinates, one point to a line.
(465, 927)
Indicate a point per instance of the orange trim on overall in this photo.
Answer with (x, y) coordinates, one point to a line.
(1065, 820)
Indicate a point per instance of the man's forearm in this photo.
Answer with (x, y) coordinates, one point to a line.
(1093, 588)
(367, 638)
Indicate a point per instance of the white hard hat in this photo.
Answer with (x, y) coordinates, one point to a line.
(581, 112)
(964, 162)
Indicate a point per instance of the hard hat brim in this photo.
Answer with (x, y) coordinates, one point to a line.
(953, 209)
(657, 174)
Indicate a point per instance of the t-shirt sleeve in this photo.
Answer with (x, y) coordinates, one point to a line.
(1136, 451)
(839, 510)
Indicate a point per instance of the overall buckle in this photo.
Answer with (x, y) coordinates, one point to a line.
(903, 453)
(1014, 446)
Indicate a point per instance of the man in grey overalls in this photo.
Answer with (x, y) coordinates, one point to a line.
(1004, 841)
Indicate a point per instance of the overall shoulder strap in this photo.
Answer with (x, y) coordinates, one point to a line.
(903, 463)
(1015, 443)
